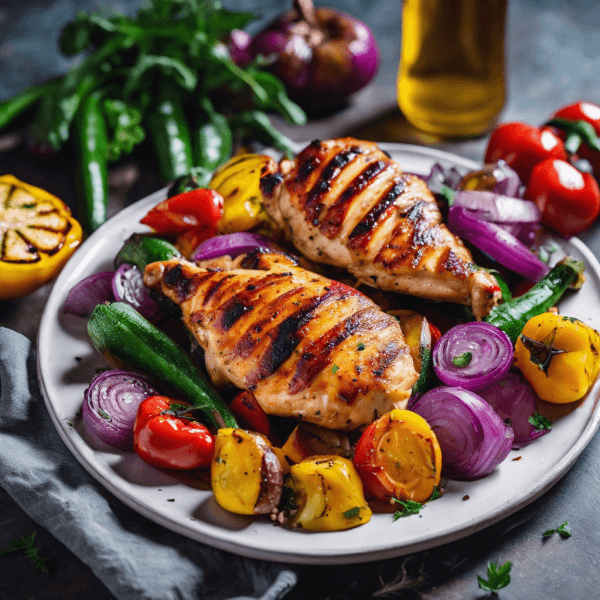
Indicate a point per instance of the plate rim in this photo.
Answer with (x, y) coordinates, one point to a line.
(475, 524)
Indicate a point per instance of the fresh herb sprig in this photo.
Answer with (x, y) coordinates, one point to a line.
(498, 577)
(408, 507)
(25, 544)
(563, 530)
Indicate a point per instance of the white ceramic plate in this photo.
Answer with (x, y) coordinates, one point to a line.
(67, 363)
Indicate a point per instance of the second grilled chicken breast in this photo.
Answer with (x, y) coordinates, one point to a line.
(308, 347)
(344, 202)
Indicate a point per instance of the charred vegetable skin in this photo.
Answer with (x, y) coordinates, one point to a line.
(328, 494)
(246, 475)
(37, 237)
(511, 316)
(165, 440)
(120, 332)
(559, 356)
(398, 456)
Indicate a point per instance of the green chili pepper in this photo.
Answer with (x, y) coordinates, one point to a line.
(512, 316)
(141, 250)
(92, 146)
(171, 135)
(212, 142)
(118, 330)
(13, 107)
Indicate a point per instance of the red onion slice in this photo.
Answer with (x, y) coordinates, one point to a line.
(491, 356)
(474, 440)
(513, 398)
(128, 286)
(498, 243)
(88, 293)
(232, 244)
(110, 406)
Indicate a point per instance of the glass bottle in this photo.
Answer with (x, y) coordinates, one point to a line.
(451, 76)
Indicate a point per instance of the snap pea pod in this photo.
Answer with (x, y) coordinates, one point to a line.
(512, 316)
(119, 331)
(92, 148)
(170, 133)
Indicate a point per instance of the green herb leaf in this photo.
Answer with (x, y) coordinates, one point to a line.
(462, 360)
(409, 507)
(563, 530)
(334, 369)
(448, 193)
(26, 545)
(438, 490)
(498, 577)
(353, 512)
(360, 347)
(540, 422)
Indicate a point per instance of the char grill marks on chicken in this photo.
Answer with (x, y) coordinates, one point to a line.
(308, 347)
(346, 203)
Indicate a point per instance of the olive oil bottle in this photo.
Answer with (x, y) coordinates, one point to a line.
(451, 76)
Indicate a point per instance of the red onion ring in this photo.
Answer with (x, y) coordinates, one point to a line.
(474, 440)
(232, 244)
(491, 356)
(128, 286)
(84, 296)
(110, 406)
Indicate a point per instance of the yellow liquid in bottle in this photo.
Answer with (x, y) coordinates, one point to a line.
(451, 77)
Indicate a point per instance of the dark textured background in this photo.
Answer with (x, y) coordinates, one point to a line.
(553, 58)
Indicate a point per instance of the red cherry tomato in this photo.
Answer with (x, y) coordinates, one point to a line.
(569, 200)
(590, 113)
(170, 442)
(246, 407)
(190, 210)
(523, 146)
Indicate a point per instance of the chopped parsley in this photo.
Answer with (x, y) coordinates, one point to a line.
(563, 530)
(498, 577)
(540, 422)
(33, 554)
(360, 347)
(448, 193)
(352, 512)
(409, 507)
(335, 369)
(462, 360)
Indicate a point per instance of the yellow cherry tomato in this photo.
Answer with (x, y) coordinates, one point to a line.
(37, 237)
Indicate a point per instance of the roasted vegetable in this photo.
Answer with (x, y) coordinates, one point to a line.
(512, 316)
(239, 181)
(309, 440)
(165, 435)
(119, 332)
(141, 250)
(328, 494)
(398, 456)
(245, 473)
(37, 237)
(559, 356)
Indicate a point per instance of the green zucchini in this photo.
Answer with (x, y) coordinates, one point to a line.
(512, 316)
(119, 331)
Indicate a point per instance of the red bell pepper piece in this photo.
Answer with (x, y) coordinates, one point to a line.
(246, 407)
(523, 146)
(171, 442)
(200, 208)
(569, 200)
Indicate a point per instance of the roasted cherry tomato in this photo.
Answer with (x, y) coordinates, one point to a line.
(197, 208)
(569, 200)
(399, 456)
(584, 146)
(246, 407)
(171, 442)
(523, 146)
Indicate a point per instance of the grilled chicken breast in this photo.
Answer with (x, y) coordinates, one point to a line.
(344, 202)
(308, 347)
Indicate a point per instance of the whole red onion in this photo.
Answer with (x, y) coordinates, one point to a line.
(322, 55)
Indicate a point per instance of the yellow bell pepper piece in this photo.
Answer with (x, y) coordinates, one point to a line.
(238, 181)
(559, 356)
(328, 493)
(37, 237)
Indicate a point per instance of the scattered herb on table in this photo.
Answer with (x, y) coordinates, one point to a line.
(25, 544)
(409, 507)
(563, 530)
(498, 577)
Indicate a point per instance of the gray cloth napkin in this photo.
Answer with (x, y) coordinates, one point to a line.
(135, 558)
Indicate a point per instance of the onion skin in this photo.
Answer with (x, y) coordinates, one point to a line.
(513, 398)
(84, 296)
(116, 394)
(473, 438)
(320, 63)
(239, 47)
(491, 356)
